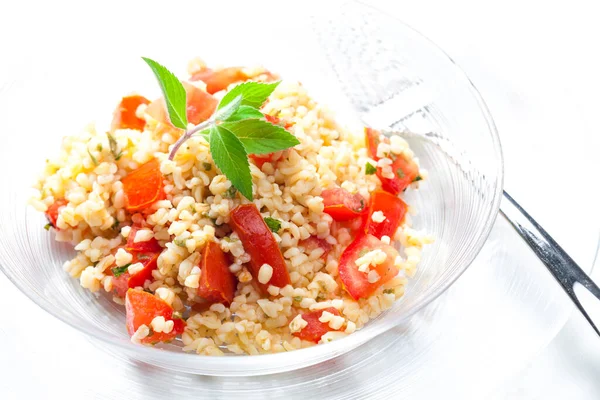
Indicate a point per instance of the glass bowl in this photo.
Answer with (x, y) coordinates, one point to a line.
(78, 85)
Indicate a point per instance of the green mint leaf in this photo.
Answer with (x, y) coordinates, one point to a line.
(245, 112)
(231, 158)
(370, 169)
(254, 94)
(273, 224)
(173, 92)
(261, 137)
(118, 271)
(226, 111)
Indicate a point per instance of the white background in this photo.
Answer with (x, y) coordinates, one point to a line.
(522, 55)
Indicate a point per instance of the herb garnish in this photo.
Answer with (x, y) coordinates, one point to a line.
(48, 226)
(418, 178)
(93, 158)
(370, 169)
(230, 193)
(180, 242)
(233, 131)
(273, 224)
(114, 147)
(118, 271)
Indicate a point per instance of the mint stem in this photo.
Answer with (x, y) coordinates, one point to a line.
(188, 134)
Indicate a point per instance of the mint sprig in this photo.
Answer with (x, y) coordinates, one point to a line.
(235, 130)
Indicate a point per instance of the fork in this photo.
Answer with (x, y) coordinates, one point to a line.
(382, 102)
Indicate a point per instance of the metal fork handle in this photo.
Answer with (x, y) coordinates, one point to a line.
(564, 269)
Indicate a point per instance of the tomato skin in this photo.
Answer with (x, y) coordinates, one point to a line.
(53, 211)
(200, 106)
(141, 308)
(260, 244)
(356, 282)
(149, 246)
(394, 210)
(143, 186)
(314, 242)
(217, 284)
(220, 79)
(315, 328)
(127, 281)
(343, 205)
(124, 116)
(405, 172)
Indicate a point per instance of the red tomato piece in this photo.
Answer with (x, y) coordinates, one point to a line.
(315, 328)
(149, 246)
(342, 205)
(143, 186)
(200, 106)
(126, 280)
(394, 210)
(260, 159)
(259, 242)
(372, 142)
(220, 79)
(314, 242)
(356, 282)
(405, 173)
(53, 211)
(276, 121)
(124, 116)
(141, 308)
(217, 283)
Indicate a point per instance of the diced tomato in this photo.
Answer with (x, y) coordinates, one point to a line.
(141, 308)
(276, 121)
(342, 205)
(53, 211)
(315, 328)
(260, 244)
(149, 246)
(260, 159)
(355, 281)
(124, 116)
(143, 186)
(200, 106)
(126, 280)
(314, 242)
(220, 79)
(405, 171)
(372, 142)
(217, 283)
(392, 207)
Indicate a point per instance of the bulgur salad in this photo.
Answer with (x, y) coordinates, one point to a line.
(248, 223)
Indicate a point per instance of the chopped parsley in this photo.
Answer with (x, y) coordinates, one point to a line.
(207, 166)
(179, 242)
(418, 178)
(370, 169)
(298, 299)
(389, 291)
(114, 147)
(99, 147)
(118, 271)
(48, 226)
(115, 224)
(93, 158)
(273, 224)
(230, 193)
(400, 173)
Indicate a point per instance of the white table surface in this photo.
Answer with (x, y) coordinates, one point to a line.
(516, 52)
